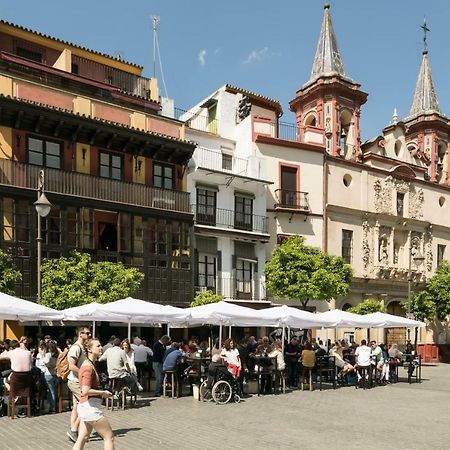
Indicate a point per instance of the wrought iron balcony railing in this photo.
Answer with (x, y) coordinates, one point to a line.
(91, 187)
(226, 218)
(292, 200)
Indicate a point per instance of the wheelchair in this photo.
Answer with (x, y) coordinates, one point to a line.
(221, 386)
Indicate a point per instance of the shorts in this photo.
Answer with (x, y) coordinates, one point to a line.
(341, 364)
(74, 387)
(90, 411)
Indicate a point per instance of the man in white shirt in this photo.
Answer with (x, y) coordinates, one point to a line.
(363, 353)
(75, 357)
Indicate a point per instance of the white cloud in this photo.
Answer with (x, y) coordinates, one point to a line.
(202, 57)
(257, 55)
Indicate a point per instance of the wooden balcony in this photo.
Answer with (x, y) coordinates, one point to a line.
(78, 185)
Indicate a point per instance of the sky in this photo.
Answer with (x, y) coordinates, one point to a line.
(264, 46)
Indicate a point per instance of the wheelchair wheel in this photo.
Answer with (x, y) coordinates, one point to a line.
(221, 392)
(205, 393)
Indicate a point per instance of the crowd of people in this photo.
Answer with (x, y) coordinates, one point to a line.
(89, 368)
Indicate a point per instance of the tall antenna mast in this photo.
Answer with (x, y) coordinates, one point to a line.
(155, 21)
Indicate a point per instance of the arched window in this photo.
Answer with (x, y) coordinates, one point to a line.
(310, 120)
(345, 131)
(397, 148)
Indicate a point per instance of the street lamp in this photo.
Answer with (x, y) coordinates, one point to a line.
(418, 259)
(43, 207)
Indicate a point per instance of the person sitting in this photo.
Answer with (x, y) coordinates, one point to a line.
(171, 363)
(129, 352)
(308, 360)
(377, 359)
(20, 379)
(363, 360)
(230, 355)
(118, 368)
(142, 354)
(344, 367)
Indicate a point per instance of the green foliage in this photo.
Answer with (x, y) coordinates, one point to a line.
(9, 274)
(205, 297)
(76, 280)
(298, 271)
(368, 306)
(434, 301)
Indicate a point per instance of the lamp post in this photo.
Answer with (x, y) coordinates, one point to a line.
(43, 207)
(418, 259)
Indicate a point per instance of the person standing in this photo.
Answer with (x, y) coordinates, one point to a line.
(75, 357)
(89, 407)
(292, 355)
(159, 350)
(46, 361)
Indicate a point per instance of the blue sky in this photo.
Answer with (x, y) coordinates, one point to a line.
(262, 45)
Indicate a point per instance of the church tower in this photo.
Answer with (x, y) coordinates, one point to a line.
(330, 101)
(427, 128)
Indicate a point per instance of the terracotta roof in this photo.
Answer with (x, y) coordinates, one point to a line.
(262, 98)
(61, 41)
(97, 120)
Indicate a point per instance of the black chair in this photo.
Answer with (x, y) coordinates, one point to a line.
(366, 376)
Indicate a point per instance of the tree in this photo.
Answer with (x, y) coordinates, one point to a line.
(368, 306)
(298, 271)
(9, 274)
(206, 297)
(434, 301)
(76, 280)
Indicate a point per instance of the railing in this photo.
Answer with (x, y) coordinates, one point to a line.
(92, 187)
(201, 122)
(226, 218)
(233, 288)
(288, 131)
(223, 162)
(292, 199)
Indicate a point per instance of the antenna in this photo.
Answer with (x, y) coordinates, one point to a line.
(425, 31)
(155, 21)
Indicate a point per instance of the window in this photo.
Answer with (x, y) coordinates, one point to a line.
(347, 245)
(440, 254)
(400, 203)
(87, 228)
(244, 271)
(75, 69)
(206, 206)
(72, 226)
(243, 213)
(288, 187)
(227, 161)
(163, 176)
(51, 227)
(44, 153)
(206, 272)
(29, 54)
(16, 220)
(110, 166)
(125, 231)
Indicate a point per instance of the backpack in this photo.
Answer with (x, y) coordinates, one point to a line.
(62, 365)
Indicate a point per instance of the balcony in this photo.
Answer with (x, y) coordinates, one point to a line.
(215, 160)
(292, 200)
(77, 185)
(225, 218)
(197, 121)
(232, 288)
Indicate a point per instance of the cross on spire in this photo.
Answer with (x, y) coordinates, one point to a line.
(425, 31)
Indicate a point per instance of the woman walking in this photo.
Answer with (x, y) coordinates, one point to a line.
(89, 408)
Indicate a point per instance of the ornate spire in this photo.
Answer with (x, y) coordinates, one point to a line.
(328, 59)
(425, 99)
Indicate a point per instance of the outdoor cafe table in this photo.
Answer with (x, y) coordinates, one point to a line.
(266, 366)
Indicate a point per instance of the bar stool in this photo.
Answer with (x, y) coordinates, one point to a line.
(363, 371)
(63, 389)
(13, 404)
(173, 380)
(307, 371)
(119, 394)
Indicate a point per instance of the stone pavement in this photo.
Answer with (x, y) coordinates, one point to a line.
(394, 417)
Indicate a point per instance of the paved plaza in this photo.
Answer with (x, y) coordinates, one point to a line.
(394, 417)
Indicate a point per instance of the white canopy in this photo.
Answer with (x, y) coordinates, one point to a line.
(222, 313)
(391, 321)
(89, 311)
(14, 308)
(139, 311)
(292, 317)
(345, 319)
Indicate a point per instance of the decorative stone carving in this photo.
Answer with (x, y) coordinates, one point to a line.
(383, 197)
(366, 245)
(429, 249)
(416, 204)
(383, 245)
